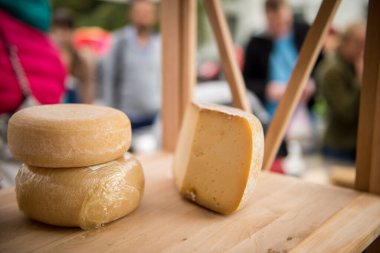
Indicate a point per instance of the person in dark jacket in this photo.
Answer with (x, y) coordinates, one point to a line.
(270, 57)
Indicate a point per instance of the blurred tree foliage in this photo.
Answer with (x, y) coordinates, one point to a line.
(107, 15)
(201, 23)
(112, 15)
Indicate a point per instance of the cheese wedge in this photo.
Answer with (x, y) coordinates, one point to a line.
(218, 156)
(87, 197)
(68, 135)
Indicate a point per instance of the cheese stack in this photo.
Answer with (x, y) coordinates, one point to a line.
(76, 171)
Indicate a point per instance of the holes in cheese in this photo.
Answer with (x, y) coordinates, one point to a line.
(218, 156)
(87, 197)
(68, 135)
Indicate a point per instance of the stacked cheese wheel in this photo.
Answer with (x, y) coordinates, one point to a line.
(76, 171)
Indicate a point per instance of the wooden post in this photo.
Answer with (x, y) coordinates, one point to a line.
(368, 148)
(171, 61)
(306, 60)
(374, 186)
(178, 29)
(226, 50)
(188, 52)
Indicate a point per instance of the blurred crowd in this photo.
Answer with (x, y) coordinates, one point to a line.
(335, 81)
(46, 59)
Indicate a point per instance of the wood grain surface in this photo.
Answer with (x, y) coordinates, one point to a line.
(283, 214)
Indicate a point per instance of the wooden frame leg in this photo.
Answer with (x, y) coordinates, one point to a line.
(178, 24)
(368, 147)
(170, 27)
(308, 55)
(229, 63)
(188, 52)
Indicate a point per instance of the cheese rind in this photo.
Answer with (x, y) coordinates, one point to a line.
(218, 156)
(68, 135)
(87, 197)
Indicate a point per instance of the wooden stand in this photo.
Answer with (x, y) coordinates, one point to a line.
(368, 149)
(178, 51)
(368, 158)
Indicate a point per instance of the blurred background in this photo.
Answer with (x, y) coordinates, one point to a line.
(108, 52)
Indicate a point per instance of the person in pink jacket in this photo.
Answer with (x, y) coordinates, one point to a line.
(27, 58)
(31, 71)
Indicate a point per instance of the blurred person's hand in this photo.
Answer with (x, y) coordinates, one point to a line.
(275, 90)
(359, 63)
(308, 91)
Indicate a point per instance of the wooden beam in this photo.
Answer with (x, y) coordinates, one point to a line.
(188, 52)
(368, 147)
(374, 186)
(306, 60)
(226, 50)
(171, 62)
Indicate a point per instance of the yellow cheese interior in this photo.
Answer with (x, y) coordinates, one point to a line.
(218, 156)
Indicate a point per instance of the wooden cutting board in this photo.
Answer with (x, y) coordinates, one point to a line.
(285, 214)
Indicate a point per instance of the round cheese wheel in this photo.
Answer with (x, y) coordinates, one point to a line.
(68, 135)
(87, 197)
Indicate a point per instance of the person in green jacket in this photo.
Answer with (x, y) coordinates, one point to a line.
(339, 78)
